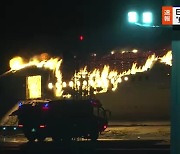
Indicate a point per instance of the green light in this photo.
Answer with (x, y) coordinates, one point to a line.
(147, 17)
(132, 17)
(33, 130)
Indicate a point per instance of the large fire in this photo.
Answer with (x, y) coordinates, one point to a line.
(102, 81)
(42, 61)
(87, 82)
(167, 58)
(16, 63)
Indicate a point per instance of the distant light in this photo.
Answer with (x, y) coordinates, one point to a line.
(20, 104)
(112, 52)
(14, 128)
(4, 128)
(132, 17)
(94, 54)
(83, 75)
(58, 84)
(33, 130)
(42, 126)
(105, 126)
(147, 17)
(50, 85)
(20, 126)
(81, 37)
(46, 106)
(64, 84)
(71, 84)
(93, 102)
(135, 51)
(84, 82)
(126, 78)
(78, 83)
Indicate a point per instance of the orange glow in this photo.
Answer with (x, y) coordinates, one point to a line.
(53, 64)
(95, 81)
(167, 58)
(16, 63)
(103, 80)
(44, 56)
(33, 90)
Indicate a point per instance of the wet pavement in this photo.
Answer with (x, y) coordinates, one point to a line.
(116, 139)
(128, 132)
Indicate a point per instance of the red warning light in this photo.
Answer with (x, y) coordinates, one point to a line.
(81, 37)
(20, 125)
(45, 107)
(42, 126)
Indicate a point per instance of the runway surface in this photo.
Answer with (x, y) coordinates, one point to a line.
(116, 139)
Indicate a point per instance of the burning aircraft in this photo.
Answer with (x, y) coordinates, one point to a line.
(84, 83)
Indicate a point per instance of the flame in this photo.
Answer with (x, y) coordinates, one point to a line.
(58, 74)
(103, 80)
(16, 63)
(167, 58)
(84, 81)
(53, 64)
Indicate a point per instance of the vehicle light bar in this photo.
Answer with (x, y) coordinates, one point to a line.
(45, 107)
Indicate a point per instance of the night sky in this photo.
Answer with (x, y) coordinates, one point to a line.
(32, 27)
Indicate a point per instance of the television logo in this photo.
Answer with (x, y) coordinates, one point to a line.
(170, 15)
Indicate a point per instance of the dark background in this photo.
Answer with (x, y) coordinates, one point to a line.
(32, 27)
